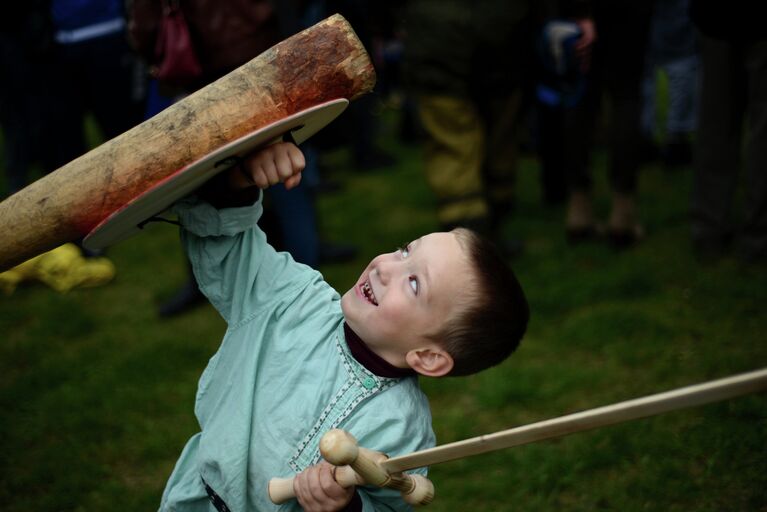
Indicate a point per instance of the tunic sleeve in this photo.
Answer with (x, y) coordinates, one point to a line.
(235, 267)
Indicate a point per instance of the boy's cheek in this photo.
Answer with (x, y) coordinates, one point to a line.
(398, 315)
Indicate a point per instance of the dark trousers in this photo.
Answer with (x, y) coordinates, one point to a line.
(616, 73)
(97, 76)
(23, 108)
(732, 124)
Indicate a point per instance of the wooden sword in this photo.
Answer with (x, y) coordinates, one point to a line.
(358, 466)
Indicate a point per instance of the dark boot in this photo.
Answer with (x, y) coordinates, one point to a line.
(185, 299)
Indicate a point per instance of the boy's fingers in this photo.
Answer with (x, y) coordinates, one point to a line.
(284, 165)
(298, 488)
(251, 171)
(270, 171)
(329, 484)
(260, 179)
(281, 162)
(318, 494)
(293, 181)
(317, 490)
(332, 489)
(296, 157)
(303, 489)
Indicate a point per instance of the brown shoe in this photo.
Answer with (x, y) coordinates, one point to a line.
(579, 221)
(623, 228)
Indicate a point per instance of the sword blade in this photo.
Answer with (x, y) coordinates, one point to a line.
(681, 398)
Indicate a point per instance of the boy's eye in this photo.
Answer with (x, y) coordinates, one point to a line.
(414, 284)
(404, 251)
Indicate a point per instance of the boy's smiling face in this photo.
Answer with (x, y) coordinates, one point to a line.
(403, 297)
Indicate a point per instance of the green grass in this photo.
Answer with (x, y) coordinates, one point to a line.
(97, 393)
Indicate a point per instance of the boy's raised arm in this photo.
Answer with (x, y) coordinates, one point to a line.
(221, 236)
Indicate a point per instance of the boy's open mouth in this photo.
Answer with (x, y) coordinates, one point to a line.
(367, 292)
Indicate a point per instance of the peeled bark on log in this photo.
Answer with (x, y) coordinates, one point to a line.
(324, 62)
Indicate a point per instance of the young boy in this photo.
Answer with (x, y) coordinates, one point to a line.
(297, 359)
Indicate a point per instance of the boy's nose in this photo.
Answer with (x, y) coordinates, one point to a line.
(386, 270)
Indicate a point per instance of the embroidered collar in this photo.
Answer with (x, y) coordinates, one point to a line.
(370, 360)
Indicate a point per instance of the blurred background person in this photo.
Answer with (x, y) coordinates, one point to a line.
(466, 67)
(559, 87)
(612, 48)
(672, 50)
(64, 62)
(26, 54)
(370, 19)
(95, 72)
(732, 129)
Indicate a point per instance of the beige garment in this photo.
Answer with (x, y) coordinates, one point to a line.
(470, 158)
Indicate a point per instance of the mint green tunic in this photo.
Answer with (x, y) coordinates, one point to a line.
(283, 375)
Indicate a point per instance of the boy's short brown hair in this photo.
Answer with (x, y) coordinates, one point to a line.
(495, 312)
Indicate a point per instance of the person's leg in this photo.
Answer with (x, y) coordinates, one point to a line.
(453, 151)
(364, 134)
(66, 112)
(115, 94)
(623, 137)
(579, 124)
(648, 150)
(682, 109)
(501, 118)
(717, 147)
(550, 152)
(683, 89)
(620, 51)
(296, 214)
(652, 65)
(672, 49)
(753, 242)
(186, 298)
(648, 103)
(15, 99)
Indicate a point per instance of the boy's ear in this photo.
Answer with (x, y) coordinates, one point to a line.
(432, 361)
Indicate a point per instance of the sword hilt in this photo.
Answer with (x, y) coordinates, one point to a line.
(357, 466)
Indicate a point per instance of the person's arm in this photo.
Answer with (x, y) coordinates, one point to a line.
(585, 44)
(222, 239)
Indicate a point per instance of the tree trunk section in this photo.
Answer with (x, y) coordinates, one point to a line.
(324, 62)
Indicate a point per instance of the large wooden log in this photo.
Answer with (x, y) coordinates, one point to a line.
(324, 62)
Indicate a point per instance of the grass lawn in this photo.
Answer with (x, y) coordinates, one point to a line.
(97, 393)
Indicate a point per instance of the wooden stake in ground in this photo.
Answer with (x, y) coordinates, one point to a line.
(341, 447)
(322, 63)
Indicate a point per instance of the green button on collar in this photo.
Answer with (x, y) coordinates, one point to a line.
(369, 382)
